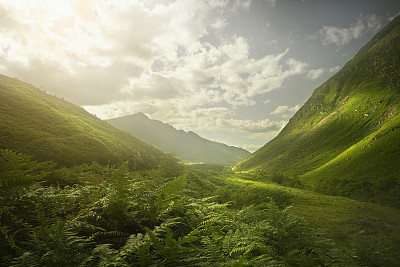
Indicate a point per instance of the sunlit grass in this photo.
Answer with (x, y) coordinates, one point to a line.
(344, 140)
(342, 218)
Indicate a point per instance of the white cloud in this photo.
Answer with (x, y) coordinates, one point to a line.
(285, 110)
(108, 51)
(334, 69)
(177, 114)
(264, 135)
(315, 74)
(262, 126)
(114, 42)
(122, 57)
(342, 36)
(249, 147)
(241, 4)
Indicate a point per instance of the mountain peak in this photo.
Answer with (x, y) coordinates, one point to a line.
(140, 115)
(188, 146)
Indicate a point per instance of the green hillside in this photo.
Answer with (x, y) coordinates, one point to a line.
(186, 145)
(50, 128)
(345, 139)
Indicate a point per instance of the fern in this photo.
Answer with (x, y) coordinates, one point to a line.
(114, 237)
(18, 171)
(58, 245)
(27, 259)
(136, 250)
(101, 255)
(170, 194)
(171, 251)
(211, 250)
(142, 219)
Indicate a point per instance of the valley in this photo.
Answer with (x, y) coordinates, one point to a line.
(76, 190)
(105, 215)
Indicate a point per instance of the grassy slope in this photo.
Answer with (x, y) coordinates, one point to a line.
(50, 128)
(188, 146)
(344, 220)
(339, 121)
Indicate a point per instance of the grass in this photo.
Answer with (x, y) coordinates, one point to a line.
(366, 170)
(342, 219)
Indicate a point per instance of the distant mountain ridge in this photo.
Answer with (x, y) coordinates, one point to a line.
(346, 138)
(49, 128)
(187, 145)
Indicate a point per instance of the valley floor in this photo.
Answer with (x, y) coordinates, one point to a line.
(94, 215)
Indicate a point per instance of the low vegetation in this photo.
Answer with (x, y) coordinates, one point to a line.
(107, 215)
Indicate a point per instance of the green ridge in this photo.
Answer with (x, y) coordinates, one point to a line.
(345, 138)
(50, 128)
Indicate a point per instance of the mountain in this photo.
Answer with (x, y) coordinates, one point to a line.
(49, 128)
(346, 138)
(186, 145)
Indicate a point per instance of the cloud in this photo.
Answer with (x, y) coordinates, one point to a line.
(271, 2)
(315, 74)
(249, 147)
(170, 61)
(262, 126)
(113, 42)
(285, 112)
(264, 135)
(334, 69)
(177, 113)
(98, 52)
(285, 109)
(341, 36)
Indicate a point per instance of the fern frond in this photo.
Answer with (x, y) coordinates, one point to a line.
(107, 235)
(25, 260)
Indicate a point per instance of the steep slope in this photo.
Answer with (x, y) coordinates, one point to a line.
(186, 145)
(346, 137)
(50, 128)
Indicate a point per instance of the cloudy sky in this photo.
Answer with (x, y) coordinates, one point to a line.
(232, 71)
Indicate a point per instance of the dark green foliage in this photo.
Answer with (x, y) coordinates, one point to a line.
(55, 245)
(18, 171)
(374, 253)
(115, 217)
(50, 128)
(278, 178)
(170, 166)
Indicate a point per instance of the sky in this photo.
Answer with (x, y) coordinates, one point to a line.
(232, 71)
